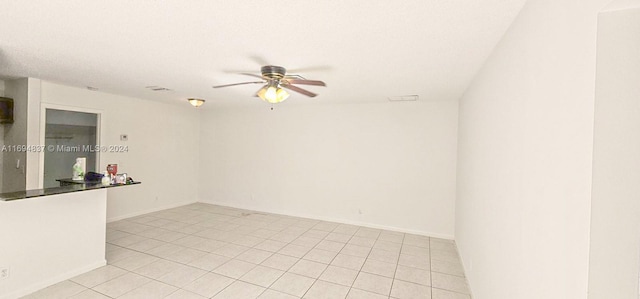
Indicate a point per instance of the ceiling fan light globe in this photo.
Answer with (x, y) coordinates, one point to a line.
(196, 102)
(273, 97)
(281, 95)
(261, 92)
(271, 94)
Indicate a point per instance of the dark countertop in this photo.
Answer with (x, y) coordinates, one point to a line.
(9, 196)
(69, 180)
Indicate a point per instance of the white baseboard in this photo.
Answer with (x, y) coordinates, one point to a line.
(330, 219)
(51, 281)
(138, 213)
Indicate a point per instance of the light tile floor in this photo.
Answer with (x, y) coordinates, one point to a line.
(208, 251)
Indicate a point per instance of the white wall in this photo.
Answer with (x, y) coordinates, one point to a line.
(388, 165)
(615, 221)
(33, 132)
(524, 162)
(163, 147)
(621, 5)
(49, 239)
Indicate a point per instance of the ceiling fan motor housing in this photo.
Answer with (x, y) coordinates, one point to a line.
(273, 72)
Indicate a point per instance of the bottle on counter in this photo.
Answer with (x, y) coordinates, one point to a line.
(106, 179)
(78, 173)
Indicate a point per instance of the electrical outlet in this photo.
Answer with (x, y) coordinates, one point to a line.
(4, 273)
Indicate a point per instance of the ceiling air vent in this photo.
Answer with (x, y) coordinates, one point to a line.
(158, 88)
(407, 98)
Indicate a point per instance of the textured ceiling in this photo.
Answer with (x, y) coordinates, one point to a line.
(365, 50)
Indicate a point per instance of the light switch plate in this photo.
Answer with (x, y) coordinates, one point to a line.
(124, 137)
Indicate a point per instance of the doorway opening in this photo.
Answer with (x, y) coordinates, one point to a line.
(69, 135)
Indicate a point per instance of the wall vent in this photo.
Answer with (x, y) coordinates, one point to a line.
(158, 88)
(407, 98)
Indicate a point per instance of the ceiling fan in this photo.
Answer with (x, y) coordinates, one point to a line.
(276, 81)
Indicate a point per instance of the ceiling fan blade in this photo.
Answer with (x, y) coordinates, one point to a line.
(236, 71)
(259, 60)
(243, 83)
(252, 75)
(306, 82)
(310, 69)
(299, 90)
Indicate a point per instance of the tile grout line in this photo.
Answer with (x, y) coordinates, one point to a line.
(430, 272)
(397, 264)
(365, 260)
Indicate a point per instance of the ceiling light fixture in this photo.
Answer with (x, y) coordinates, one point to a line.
(196, 102)
(273, 93)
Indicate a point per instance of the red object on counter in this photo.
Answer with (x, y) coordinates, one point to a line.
(112, 169)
